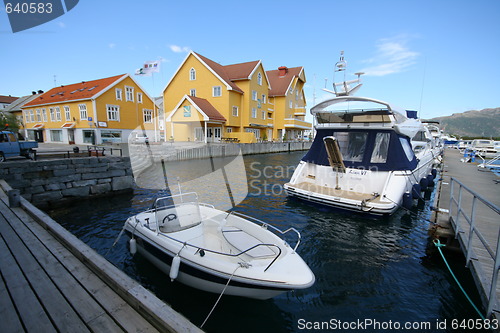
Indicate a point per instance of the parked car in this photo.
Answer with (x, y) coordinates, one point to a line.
(139, 138)
(10, 146)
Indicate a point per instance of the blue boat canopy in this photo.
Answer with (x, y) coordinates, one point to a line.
(365, 149)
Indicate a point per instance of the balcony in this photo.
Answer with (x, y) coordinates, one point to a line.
(291, 123)
(299, 111)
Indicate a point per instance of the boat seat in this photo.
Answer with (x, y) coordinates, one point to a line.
(242, 241)
(179, 218)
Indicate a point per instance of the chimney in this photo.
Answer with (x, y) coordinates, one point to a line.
(40, 91)
(33, 92)
(283, 70)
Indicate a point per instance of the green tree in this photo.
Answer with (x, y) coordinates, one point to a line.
(8, 121)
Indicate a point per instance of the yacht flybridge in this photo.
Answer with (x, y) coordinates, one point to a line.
(362, 158)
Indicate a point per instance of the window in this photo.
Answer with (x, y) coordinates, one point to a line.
(381, 148)
(147, 115)
(58, 113)
(352, 145)
(83, 111)
(129, 94)
(56, 135)
(297, 95)
(27, 116)
(254, 113)
(44, 115)
(113, 112)
(229, 130)
(263, 114)
(192, 92)
(38, 115)
(52, 114)
(216, 91)
(118, 94)
(235, 111)
(259, 79)
(263, 98)
(290, 105)
(139, 97)
(254, 95)
(192, 74)
(67, 113)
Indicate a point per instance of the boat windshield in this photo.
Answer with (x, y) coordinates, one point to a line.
(358, 116)
(352, 145)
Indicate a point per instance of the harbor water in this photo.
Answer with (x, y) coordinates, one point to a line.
(372, 275)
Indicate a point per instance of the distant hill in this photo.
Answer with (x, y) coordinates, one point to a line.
(484, 123)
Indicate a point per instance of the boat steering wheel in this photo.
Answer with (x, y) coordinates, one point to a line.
(169, 217)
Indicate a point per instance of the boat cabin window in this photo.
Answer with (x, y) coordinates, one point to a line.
(381, 148)
(407, 148)
(352, 145)
(358, 116)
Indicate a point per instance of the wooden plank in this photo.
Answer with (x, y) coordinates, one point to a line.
(115, 307)
(9, 322)
(30, 310)
(61, 313)
(83, 303)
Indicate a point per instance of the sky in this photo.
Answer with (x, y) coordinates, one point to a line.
(436, 56)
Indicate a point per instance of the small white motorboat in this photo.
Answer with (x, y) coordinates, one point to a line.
(216, 251)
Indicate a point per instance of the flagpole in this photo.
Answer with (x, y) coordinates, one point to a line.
(154, 107)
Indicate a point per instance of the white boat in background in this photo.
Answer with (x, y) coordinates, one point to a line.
(363, 157)
(216, 251)
(484, 148)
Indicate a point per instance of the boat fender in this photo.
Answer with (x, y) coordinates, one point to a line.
(415, 191)
(434, 173)
(174, 269)
(407, 200)
(430, 181)
(423, 183)
(133, 246)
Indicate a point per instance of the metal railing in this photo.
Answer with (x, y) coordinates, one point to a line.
(457, 212)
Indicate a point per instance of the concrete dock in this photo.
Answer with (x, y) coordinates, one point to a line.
(469, 213)
(52, 282)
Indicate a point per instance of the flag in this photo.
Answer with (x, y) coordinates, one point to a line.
(149, 68)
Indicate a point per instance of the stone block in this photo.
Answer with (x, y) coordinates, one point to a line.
(82, 191)
(104, 180)
(46, 196)
(55, 186)
(88, 182)
(122, 183)
(100, 188)
(34, 189)
(63, 172)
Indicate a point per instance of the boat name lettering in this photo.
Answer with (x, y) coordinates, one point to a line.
(358, 172)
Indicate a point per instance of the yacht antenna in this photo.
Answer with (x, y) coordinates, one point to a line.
(343, 88)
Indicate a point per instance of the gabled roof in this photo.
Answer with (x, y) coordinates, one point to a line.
(7, 99)
(76, 91)
(20, 102)
(219, 71)
(241, 71)
(281, 84)
(208, 111)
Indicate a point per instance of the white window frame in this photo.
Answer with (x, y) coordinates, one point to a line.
(58, 113)
(113, 112)
(254, 113)
(139, 97)
(264, 98)
(192, 92)
(67, 113)
(229, 130)
(259, 79)
(38, 115)
(216, 91)
(129, 94)
(235, 112)
(27, 116)
(52, 114)
(263, 114)
(192, 74)
(118, 94)
(254, 95)
(83, 111)
(44, 115)
(147, 116)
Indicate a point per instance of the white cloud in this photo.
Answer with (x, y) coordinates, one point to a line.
(111, 45)
(392, 56)
(179, 49)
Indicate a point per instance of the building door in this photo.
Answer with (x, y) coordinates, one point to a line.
(199, 134)
(71, 136)
(39, 136)
(217, 134)
(89, 137)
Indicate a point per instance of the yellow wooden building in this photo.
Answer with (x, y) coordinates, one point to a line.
(106, 110)
(208, 102)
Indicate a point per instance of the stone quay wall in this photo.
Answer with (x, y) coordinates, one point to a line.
(55, 182)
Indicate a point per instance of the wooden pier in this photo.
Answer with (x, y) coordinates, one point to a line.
(52, 282)
(468, 202)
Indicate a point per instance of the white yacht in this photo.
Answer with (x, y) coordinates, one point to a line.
(363, 158)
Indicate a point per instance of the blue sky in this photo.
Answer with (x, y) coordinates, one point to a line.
(436, 56)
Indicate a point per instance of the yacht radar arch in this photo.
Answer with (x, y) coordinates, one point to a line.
(344, 88)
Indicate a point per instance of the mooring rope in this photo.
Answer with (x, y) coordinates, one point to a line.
(439, 246)
(218, 299)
